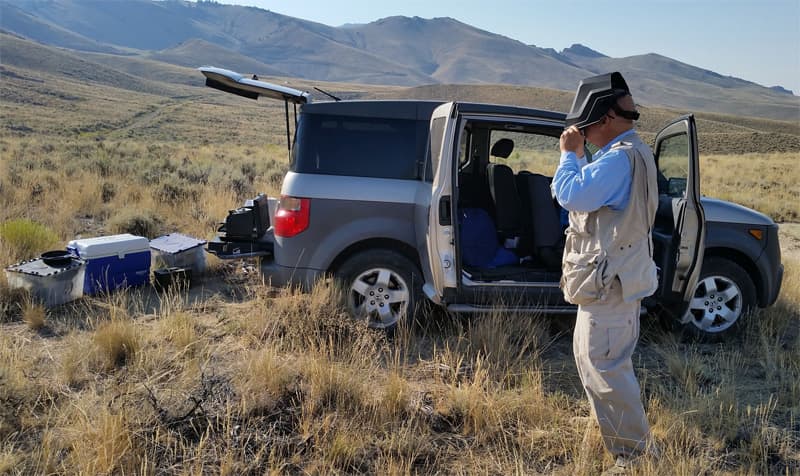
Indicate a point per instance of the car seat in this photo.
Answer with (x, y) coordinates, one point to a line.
(546, 236)
(503, 190)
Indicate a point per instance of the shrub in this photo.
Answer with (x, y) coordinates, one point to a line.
(24, 239)
(108, 192)
(140, 223)
(172, 192)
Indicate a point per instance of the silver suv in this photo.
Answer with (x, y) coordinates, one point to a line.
(408, 201)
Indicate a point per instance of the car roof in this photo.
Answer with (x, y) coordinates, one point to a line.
(418, 109)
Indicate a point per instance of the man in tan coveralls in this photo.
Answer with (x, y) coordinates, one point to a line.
(607, 264)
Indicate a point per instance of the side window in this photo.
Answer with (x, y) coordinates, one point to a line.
(464, 145)
(437, 136)
(673, 165)
(358, 146)
(534, 153)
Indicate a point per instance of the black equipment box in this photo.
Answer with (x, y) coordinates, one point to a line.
(248, 222)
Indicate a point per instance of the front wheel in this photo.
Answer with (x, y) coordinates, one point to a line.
(383, 287)
(723, 294)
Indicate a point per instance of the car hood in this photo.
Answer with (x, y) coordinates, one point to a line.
(723, 211)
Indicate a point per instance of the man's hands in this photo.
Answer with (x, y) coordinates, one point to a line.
(572, 141)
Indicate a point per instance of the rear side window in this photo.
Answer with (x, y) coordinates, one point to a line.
(359, 146)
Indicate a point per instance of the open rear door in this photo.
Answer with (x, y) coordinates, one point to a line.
(441, 236)
(679, 171)
(235, 83)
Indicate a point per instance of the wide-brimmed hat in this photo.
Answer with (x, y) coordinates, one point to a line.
(594, 97)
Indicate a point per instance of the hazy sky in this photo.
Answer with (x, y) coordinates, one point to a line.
(756, 40)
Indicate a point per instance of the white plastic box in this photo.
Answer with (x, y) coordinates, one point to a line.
(113, 261)
(49, 285)
(177, 250)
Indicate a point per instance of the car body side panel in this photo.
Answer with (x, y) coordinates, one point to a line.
(734, 236)
(762, 256)
(359, 189)
(422, 210)
(728, 225)
(363, 209)
(339, 224)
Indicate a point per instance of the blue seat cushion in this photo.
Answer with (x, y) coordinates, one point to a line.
(478, 239)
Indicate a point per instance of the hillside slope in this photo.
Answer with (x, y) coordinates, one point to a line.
(15, 51)
(72, 85)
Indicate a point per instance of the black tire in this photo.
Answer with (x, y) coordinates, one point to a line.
(382, 287)
(724, 294)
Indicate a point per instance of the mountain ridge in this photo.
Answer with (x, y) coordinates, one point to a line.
(396, 50)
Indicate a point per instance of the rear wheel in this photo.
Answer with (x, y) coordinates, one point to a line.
(383, 287)
(723, 294)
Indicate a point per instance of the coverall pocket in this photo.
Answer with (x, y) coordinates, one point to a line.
(583, 277)
(609, 343)
(619, 340)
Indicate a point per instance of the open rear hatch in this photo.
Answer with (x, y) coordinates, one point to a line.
(246, 231)
(235, 83)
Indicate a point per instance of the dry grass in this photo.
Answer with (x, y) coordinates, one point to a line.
(33, 315)
(763, 182)
(190, 388)
(236, 377)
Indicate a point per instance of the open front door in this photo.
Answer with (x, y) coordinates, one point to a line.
(679, 179)
(441, 219)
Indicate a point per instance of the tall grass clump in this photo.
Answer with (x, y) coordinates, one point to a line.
(12, 300)
(265, 380)
(33, 314)
(179, 328)
(24, 239)
(102, 442)
(117, 343)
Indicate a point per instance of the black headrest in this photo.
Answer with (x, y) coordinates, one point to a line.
(502, 148)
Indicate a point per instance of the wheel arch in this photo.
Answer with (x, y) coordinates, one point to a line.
(375, 243)
(745, 263)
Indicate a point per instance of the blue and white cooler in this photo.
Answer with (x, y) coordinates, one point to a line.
(113, 261)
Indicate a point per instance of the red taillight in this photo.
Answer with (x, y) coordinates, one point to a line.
(292, 216)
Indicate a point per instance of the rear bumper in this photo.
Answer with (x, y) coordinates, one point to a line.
(280, 276)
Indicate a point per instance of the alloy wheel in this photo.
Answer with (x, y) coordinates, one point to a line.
(716, 305)
(379, 295)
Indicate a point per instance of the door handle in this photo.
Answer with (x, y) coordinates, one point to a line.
(445, 217)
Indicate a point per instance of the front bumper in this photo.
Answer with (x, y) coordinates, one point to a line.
(771, 268)
(776, 288)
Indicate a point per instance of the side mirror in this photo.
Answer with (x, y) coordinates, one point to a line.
(676, 187)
